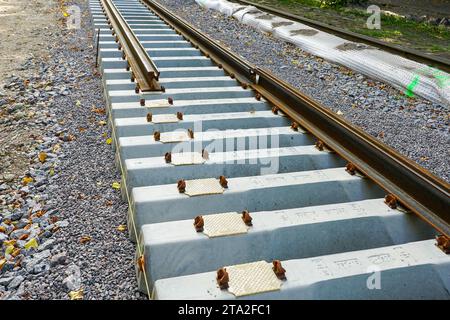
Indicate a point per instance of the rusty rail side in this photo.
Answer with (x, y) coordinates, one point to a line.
(415, 188)
(144, 70)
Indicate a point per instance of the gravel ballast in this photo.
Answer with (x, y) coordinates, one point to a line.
(414, 127)
(74, 214)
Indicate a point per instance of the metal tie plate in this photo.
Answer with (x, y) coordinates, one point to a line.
(176, 136)
(159, 104)
(187, 158)
(164, 118)
(224, 224)
(200, 187)
(252, 278)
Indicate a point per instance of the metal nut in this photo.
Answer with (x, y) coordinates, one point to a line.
(247, 218)
(142, 102)
(443, 243)
(294, 126)
(223, 181)
(258, 96)
(168, 157)
(149, 117)
(280, 272)
(199, 223)
(222, 278)
(275, 109)
(137, 88)
(140, 263)
(391, 201)
(351, 168)
(163, 89)
(156, 135)
(180, 115)
(170, 100)
(190, 133)
(320, 145)
(181, 185)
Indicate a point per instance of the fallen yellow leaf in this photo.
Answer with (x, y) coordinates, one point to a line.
(116, 185)
(78, 103)
(9, 249)
(42, 157)
(56, 148)
(2, 229)
(32, 243)
(51, 172)
(16, 252)
(85, 239)
(121, 228)
(9, 242)
(2, 263)
(76, 295)
(102, 122)
(108, 141)
(26, 180)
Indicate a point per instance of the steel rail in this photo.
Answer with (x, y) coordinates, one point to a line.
(415, 188)
(144, 70)
(437, 62)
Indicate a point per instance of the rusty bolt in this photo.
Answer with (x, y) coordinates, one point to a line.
(181, 185)
(132, 77)
(391, 201)
(128, 66)
(275, 110)
(220, 66)
(142, 102)
(156, 135)
(223, 181)
(116, 38)
(199, 223)
(119, 46)
(232, 76)
(124, 56)
(443, 243)
(294, 126)
(140, 263)
(207, 55)
(244, 85)
(205, 154)
(350, 168)
(280, 272)
(191, 133)
(149, 117)
(180, 115)
(163, 89)
(258, 96)
(222, 278)
(320, 145)
(170, 100)
(137, 88)
(168, 157)
(247, 218)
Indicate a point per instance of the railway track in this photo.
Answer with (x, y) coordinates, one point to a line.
(434, 61)
(240, 186)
